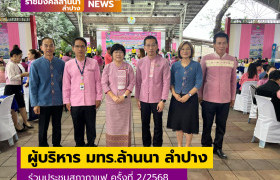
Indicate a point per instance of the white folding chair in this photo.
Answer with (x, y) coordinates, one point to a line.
(253, 110)
(243, 101)
(7, 128)
(26, 98)
(267, 128)
(2, 87)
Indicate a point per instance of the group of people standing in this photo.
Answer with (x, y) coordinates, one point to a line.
(78, 84)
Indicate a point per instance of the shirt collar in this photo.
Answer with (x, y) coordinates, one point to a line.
(53, 59)
(217, 55)
(155, 58)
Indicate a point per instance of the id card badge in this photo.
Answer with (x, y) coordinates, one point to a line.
(82, 86)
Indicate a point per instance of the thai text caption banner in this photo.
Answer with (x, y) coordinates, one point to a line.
(116, 157)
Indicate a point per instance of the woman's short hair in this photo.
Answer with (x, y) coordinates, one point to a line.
(116, 47)
(181, 46)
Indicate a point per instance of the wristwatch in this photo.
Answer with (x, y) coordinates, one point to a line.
(190, 94)
(125, 96)
(163, 100)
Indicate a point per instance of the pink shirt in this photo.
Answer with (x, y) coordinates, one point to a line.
(152, 89)
(245, 78)
(12, 74)
(111, 79)
(262, 81)
(72, 79)
(29, 64)
(219, 78)
(66, 58)
(99, 60)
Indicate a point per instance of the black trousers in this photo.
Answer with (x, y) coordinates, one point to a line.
(84, 116)
(46, 112)
(209, 111)
(146, 110)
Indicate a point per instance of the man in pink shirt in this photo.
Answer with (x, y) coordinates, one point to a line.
(82, 92)
(151, 90)
(217, 93)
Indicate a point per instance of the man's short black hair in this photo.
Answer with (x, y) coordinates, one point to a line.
(49, 39)
(117, 47)
(274, 75)
(150, 37)
(220, 34)
(79, 38)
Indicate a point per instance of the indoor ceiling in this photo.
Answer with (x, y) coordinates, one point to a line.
(150, 15)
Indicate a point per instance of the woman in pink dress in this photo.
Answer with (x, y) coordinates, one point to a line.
(99, 60)
(117, 83)
(250, 75)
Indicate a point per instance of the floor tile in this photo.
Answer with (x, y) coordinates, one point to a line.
(223, 175)
(260, 164)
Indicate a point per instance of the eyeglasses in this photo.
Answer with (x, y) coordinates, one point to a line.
(77, 46)
(50, 46)
(151, 45)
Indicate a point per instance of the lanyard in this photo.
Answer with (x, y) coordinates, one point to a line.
(81, 71)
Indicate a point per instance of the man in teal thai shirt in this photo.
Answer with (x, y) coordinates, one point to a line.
(46, 92)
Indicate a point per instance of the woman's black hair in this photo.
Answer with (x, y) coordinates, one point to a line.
(15, 51)
(68, 53)
(36, 53)
(116, 47)
(252, 70)
(268, 67)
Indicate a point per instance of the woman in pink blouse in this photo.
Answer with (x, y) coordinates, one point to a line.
(250, 75)
(264, 80)
(14, 75)
(117, 83)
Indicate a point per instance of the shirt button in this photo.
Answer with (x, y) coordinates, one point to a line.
(51, 67)
(52, 83)
(53, 91)
(52, 75)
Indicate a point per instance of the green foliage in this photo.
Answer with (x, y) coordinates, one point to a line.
(99, 49)
(164, 51)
